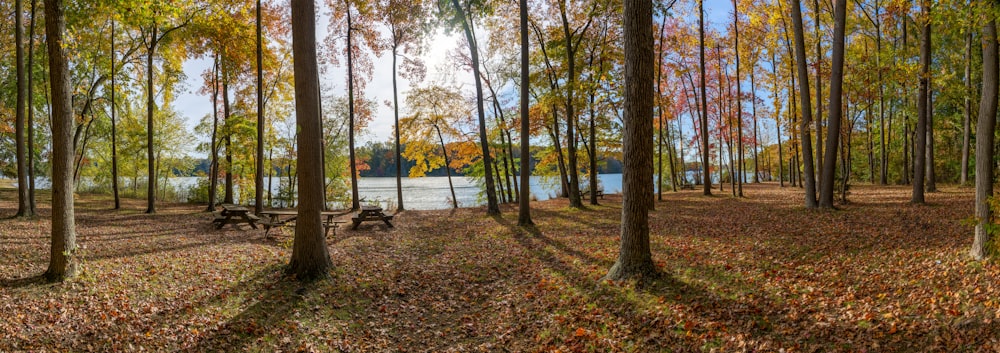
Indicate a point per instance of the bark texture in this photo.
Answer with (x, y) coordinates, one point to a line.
(984, 142)
(62, 261)
(635, 259)
(310, 257)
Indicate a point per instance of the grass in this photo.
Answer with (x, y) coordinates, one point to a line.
(760, 274)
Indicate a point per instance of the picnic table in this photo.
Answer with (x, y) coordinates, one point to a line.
(234, 214)
(371, 213)
(277, 218)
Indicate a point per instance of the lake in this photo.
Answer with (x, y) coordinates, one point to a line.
(426, 193)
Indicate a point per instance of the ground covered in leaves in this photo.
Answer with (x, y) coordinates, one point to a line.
(754, 274)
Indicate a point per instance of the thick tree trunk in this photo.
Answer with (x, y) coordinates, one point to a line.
(524, 206)
(310, 258)
(920, 152)
(836, 105)
(492, 207)
(635, 259)
(706, 175)
(62, 257)
(985, 128)
(800, 55)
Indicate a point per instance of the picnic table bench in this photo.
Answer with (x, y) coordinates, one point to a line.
(586, 193)
(686, 186)
(234, 214)
(371, 213)
(278, 218)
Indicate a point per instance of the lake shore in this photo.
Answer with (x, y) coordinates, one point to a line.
(760, 273)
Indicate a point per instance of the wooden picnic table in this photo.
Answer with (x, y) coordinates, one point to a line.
(371, 213)
(234, 214)
(277, 218)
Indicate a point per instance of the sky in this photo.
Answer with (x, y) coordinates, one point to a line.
(193, 106)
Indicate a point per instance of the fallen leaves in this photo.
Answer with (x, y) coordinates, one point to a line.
(758, 274)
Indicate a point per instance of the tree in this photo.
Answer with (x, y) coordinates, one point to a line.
(62, 257)
(985, 129)
(635, 259)
(437, 111)
(310, 258)
(704, 100)
(259, 170)
(462, 15)
(152, 35)
(23, 206)
(32, 209)
(524, 206)
(406, 22)
(800, 58)
(920, 152)
(836, 108)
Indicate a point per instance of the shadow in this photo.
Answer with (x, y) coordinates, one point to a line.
(23, 282)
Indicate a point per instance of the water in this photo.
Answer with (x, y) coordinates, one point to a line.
(426, 193)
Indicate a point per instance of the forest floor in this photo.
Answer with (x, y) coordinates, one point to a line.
(754, 274)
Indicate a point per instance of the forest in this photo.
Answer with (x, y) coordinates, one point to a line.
(795, 175)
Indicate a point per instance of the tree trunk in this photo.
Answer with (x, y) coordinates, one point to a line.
(756, 131)
(635, 259)
(819, 95)
(114, 124)
(809, 177)
(739, 99)
(967, 114)
(777, 124)
(447, 166)
(930, 178)
(310, 258)
(985, 128)
(355, 198)
(23, 206)
(570, 49)
(213, 175)
(707, 177)
(62, 257)
(259, 175)
(399, 159)
(229, 196)
(150, 109)
(492, 207)
(920, 152)
(524, 207)
(32, 207)
(836, 105)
